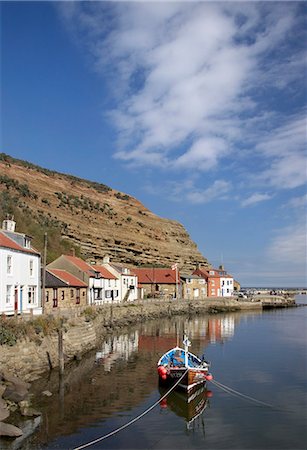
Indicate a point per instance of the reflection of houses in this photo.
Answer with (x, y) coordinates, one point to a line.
(193, 287)
(63, 290)
(19, 272)
(219, 283)
(158, 282)
(117, 347)
(97, 282)
(128, 281)
(220, 329)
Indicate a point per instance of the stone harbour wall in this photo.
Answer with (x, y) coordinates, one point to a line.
(29, 359)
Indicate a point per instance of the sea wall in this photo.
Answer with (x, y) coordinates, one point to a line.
(29, 359)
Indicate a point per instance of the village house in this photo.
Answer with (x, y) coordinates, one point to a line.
(219, 283)
(194, 287)
(63, 291)
(158, 282)
(98, 282)
(19, 272)
(127, 278)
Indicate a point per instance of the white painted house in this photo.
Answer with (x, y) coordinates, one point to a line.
(128, 280)
(20, 279)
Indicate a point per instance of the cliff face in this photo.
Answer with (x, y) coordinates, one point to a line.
(97, 219)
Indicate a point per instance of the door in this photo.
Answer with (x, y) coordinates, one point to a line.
(16, 299)
(20, 297)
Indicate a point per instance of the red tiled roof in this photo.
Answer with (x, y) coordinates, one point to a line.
(67, 277)
(105, 273)
(9, 243)
(80, 263)
(156, 275)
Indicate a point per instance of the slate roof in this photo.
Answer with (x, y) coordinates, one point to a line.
(7, 242)
(187, 276)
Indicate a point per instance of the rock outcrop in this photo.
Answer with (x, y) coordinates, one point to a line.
(93, 217)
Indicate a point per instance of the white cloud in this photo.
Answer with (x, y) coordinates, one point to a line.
(218, 190)
(256, 198)
(184, 74)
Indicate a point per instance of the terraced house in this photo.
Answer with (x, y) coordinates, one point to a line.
(102, 284)
(20, 278)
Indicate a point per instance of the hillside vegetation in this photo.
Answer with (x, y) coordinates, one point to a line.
(90, 217)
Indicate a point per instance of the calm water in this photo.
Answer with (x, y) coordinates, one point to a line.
(259, 354)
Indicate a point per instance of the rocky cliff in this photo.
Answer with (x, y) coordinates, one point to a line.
(91, 217)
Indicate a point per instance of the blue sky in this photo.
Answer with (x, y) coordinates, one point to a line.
(197, 109)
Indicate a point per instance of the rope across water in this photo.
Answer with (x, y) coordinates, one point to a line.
(133, 420)
(214, 382)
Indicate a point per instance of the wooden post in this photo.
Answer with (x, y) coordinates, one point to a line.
(60, 347)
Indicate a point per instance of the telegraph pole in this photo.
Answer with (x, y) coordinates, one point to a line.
(44, 273)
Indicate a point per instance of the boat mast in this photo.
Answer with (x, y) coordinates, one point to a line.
(186, 344)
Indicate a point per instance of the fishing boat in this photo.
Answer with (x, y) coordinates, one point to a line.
(180, 365)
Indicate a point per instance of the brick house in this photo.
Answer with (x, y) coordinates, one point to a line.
(219, 282)
(63, 290)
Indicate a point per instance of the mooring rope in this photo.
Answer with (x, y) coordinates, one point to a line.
(239, 394)
(133, 420)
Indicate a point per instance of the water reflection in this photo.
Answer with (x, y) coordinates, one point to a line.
(117, 347)
(120, 375)
(190, 405)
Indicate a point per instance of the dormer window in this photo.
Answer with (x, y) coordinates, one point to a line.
(27, 242)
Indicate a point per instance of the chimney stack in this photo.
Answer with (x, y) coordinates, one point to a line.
(9, 224)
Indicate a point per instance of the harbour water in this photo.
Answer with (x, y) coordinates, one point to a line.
(260, 356)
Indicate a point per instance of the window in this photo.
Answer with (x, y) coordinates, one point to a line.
(62, 295)
(31, 294)
(108, 294)
(47, 296)
(188, 291)
(31, 267)
(202, 281)
(77, 296)
(71, 293)
(55, 297)
(9, 264)
(8, 294)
